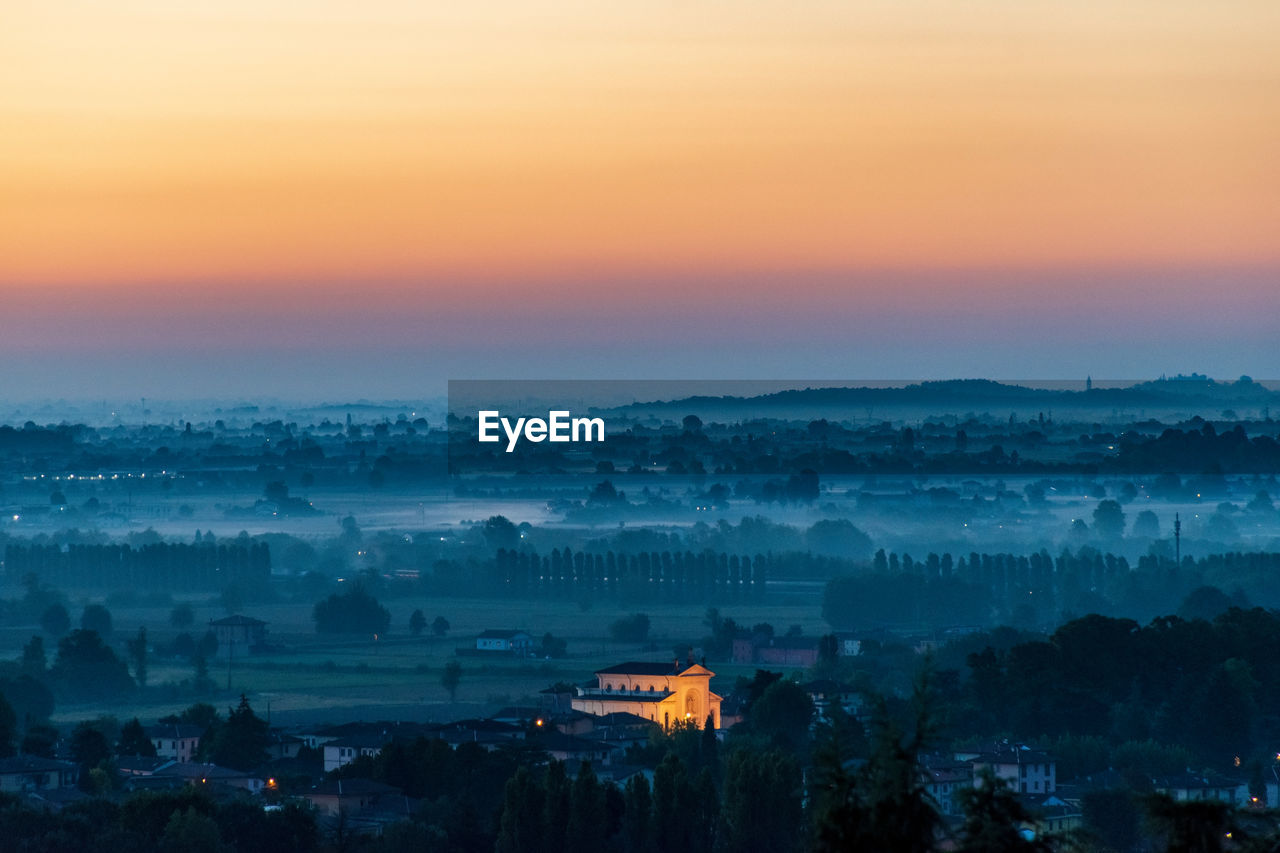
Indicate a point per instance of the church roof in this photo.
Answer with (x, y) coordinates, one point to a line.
(653, 668)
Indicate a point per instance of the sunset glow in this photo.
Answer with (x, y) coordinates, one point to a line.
(544, 152)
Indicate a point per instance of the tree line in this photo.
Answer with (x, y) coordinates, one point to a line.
(164, 566)
(1030, 590)
(647, 576)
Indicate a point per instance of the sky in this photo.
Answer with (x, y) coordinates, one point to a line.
(335, 199)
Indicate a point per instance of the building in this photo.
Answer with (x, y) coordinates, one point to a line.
(238, 635)
(488, 734)
(32, 773)
(178, 742)
(1026, 770)
(827, 694)
(349, 795)
(140, 765)
(1051, 815)
(944, 779)
(209, 774)
(1185, 787)
(665, 693)
(342, 751)
(563, 747)
(779, 651)
(509, 642)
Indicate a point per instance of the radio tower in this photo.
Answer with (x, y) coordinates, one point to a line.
(1177, 539)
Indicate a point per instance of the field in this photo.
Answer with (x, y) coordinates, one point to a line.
(313, 677)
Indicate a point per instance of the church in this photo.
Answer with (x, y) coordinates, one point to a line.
(666, 693)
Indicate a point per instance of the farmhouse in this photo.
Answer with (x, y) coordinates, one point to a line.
(665, 693)
(238, 635)
(509, 641)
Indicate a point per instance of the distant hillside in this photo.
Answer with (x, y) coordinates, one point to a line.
(1185, 395)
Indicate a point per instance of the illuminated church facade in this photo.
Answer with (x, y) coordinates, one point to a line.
(666, 693)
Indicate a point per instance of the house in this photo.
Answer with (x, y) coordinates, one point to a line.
(179, 742)
(349, 795)
(944, 779)
(508, 642)
(848, 645)
(282, 745)
(1026, 770)
(665, 693)
(140, 765)
(238, 635)
(1189, 786)
(620, 729)
(1051, 814)
(341, 751)
(32, 773)
(826, 694)
(564, 747)
(195, 774)
(489, 734)
(317, 737)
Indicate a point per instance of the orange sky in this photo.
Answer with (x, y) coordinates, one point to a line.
(244, 143)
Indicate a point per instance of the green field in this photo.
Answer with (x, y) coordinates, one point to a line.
(396, 676)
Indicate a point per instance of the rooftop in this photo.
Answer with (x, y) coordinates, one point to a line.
(236, 621)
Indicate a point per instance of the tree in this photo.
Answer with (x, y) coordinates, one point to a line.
(499, 532)
(1146, 525)
(191, 832)
(86, 668)
(1112, 818)
(753, 779)
(1108, 519)
(89, 746)
(40, 740)
(200, 714)
(450, 678)
(55, 621)
(884, 805)
(440, 626)
(1197, 826)
(134, 740)
(993, 817)
(34, 662)
(182, 617)
(838, 538)
(1205, 602)
(637, 817)
(553, 646)
(521, 827)
(138, 652)
(241, 741)
(207, 645)
(8, 727)
(630, 629)
(31, 699)
(782, 714)
(353, 612)
(417, 623)
(96, 618)
(585, 832)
